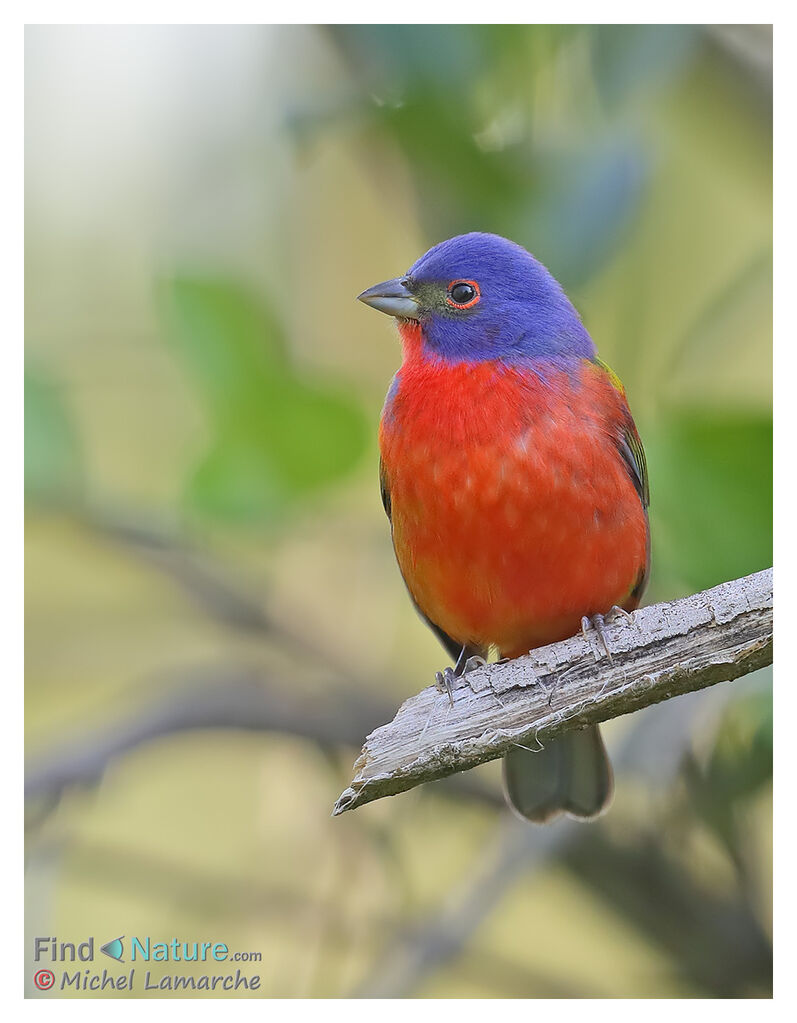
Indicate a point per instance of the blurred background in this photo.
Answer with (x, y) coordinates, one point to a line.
(214, 616)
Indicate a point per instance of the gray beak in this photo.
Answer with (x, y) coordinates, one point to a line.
(393, 298)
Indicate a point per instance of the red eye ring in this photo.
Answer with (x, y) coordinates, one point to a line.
(470, 302)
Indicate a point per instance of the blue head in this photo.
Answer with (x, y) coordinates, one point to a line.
(479, 296)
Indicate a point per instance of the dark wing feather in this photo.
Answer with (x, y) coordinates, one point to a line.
(628, 443)
(633, 455)
(384, 490)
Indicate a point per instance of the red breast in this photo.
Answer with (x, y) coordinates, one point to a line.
(513, 513)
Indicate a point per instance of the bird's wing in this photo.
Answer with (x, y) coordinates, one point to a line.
(384, 490)
(629, 447)
(633, 454)
(629, 444)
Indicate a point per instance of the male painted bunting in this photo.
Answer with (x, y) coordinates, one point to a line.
(514, 480)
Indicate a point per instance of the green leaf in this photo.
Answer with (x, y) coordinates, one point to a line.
(233, 344)
(236, 482)
(278, 434)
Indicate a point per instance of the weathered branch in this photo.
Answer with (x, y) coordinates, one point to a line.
(662, 651)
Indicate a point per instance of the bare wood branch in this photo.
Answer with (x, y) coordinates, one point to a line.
(660, 652)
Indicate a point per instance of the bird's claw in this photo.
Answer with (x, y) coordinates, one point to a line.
(473, 663)
(597, 622)
(444, 680)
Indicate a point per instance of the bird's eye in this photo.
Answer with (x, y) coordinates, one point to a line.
(463, 294)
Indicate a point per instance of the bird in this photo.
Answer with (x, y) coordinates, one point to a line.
(514, 480)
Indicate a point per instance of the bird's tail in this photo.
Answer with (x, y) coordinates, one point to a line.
(572, 775)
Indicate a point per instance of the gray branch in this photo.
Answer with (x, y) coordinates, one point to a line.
(660, 652)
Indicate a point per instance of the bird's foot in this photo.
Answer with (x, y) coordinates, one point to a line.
(445, 680)
(597, 622)
(473, 663)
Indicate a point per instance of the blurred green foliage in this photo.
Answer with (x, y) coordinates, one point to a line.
(200, 467)
(741, 759)
(568, 194)
(713, 515)
(277, 434)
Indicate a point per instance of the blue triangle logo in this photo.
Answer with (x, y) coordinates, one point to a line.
(114, 949)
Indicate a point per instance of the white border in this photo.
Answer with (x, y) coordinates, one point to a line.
(237, 12)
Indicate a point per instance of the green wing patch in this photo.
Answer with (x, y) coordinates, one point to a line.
(614, 380)
(630, 446)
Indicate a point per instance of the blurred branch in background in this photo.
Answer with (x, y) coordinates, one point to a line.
(517, 850)
(211, 586)
(227, 698)
(662, 651)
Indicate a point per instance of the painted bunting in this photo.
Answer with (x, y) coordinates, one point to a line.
(514, 480)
